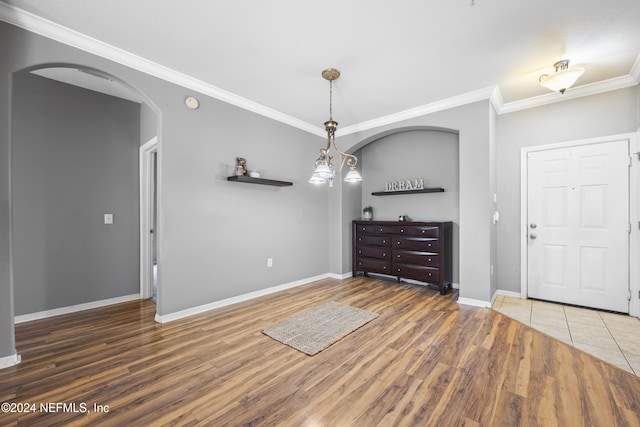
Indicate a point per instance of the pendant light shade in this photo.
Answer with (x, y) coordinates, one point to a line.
(353, 176)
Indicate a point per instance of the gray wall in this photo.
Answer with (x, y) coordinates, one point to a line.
(214, 236)
(8, 45)
(605, 114)
(148, 124)
(350, 209)
(74, 158)
(428, 154)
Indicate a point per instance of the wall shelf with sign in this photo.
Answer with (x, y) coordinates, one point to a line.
(422, 190)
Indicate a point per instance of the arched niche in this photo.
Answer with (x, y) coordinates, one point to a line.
(412, 152)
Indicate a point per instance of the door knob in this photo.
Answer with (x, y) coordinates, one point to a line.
(533, 236)
(533, 225)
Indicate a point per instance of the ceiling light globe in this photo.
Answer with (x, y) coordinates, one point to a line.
(563, 78)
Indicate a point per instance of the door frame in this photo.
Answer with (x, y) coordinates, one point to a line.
(146, 199)
(634, 235)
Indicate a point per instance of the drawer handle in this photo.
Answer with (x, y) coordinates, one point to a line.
(402, 230)
(361, 252)
(429, 274)
(398, 270)
(384, 254)
(429, 259)
(384, 268)
(398, 242)
(381, 230)
(398, 255)
(384, 241)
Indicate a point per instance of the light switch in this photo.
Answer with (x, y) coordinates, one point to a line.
(108, 218)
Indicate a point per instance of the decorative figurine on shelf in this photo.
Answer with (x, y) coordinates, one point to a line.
(241, 167)
(367, 213)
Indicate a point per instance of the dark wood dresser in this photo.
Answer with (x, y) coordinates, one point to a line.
(411, 250)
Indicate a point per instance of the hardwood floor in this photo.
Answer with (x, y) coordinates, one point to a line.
(425, 361)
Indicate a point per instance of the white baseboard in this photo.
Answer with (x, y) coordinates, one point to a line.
(240, 298)
(8, 361)
(504, 293)
(339, 276)
(474, 302)
(74, 308)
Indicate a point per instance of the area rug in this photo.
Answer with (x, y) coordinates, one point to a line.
(315, 329)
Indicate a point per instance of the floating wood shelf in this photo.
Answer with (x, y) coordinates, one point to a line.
(263, 181)
(393, 193)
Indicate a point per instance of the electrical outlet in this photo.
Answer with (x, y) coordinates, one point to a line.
(108, 218)
(269, 262)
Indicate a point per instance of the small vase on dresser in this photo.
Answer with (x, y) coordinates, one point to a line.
(367, 213)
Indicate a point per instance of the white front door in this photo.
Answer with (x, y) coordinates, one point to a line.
(578, 225)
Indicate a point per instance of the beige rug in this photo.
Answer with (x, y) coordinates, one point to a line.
(313, 330)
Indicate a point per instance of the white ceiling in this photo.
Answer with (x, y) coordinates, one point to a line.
(394, 55)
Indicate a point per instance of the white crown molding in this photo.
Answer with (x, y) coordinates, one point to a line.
(635, 70)
(49, 29)
(496, 99)
(59, 33)
(572, 93)
(445, 104)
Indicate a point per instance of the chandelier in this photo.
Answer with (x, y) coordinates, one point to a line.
(325, 171)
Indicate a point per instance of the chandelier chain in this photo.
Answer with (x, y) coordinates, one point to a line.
(330, 99)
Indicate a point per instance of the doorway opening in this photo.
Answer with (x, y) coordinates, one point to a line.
(149, 220)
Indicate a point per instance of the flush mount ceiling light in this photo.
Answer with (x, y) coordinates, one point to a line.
(563, 78)
(325, 172)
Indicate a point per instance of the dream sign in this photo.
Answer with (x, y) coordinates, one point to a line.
(405, 185)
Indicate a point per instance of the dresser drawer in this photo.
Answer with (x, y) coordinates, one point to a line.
(377, 229)
(414, 257)
(418, 231)
(388, 229)
(373, 265)
(423, 274)
(368, 228)
(416, 244)
(371, 240)
(379, 252)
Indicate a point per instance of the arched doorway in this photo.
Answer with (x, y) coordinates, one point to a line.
(75, 142)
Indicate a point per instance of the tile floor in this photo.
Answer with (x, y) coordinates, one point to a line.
(614, 338)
